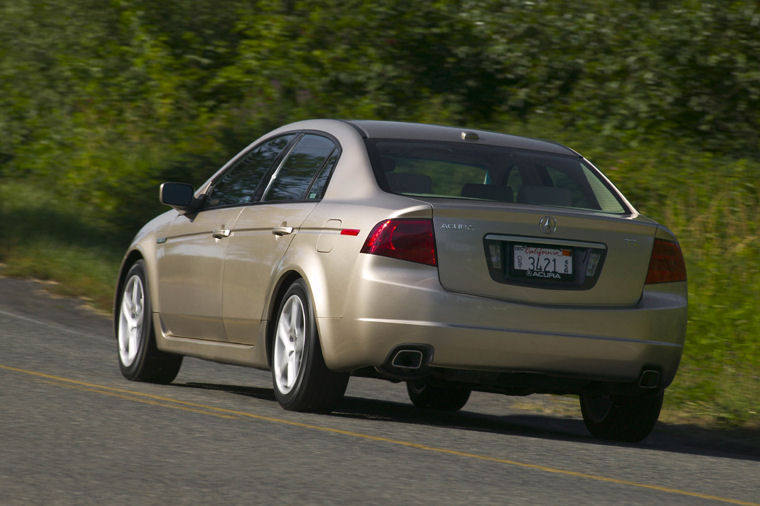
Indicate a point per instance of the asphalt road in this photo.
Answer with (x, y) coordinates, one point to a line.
(73, 431)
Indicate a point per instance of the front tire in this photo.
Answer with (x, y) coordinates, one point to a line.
(625, 418)
(302, 381)
(139, 359)
(442, 397)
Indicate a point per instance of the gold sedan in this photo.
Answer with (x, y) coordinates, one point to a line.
(451, 259)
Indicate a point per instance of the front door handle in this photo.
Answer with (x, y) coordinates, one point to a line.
(221, 233)
(282, 230)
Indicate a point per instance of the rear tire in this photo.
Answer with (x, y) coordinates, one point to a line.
(139, 359)
(621, 417)
(302, 381)
(442, 397)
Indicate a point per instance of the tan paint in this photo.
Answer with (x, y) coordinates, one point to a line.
(366, 305)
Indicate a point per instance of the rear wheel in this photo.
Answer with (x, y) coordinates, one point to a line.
(620, 417)
(302, 381)
(445, 397)
(139, 359)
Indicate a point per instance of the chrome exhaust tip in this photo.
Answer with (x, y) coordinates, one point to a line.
(408, 359)
(407, 362)
(649, 379)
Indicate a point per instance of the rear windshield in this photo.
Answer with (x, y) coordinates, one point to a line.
(468, 171)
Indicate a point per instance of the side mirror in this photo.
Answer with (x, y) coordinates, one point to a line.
(177, 195)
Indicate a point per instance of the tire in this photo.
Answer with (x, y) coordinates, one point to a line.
(139, 359)
(301, 380)
(620, 417)
(442, 397)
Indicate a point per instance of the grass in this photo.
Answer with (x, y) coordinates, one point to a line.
(44, 238)
(710, 206)
(708, 201)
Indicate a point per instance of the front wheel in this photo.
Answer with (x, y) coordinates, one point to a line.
(139, 359)
(302, 381)
(442, 397)
(620, 417)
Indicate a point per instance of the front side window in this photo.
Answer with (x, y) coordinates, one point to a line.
(238, 185)
(469, 171)
(304, 172)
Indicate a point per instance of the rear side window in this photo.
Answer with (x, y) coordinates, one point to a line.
(468, 171)
(238, 185)
(317, 189)
(305, 171)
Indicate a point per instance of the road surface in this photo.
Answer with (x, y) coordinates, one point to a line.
(73, 431)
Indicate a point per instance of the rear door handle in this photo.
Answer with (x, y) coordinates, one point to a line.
(221, 233)
(282, 230)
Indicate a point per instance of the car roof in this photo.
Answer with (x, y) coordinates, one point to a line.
(418, 131)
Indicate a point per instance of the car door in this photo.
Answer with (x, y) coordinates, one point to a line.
(191, 258)
(263, 232)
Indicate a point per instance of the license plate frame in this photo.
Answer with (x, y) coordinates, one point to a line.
(542, 262)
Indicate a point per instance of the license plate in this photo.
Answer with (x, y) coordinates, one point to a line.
(538, 261)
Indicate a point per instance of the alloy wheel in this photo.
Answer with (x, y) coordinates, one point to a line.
(289, 344)
(131, 316)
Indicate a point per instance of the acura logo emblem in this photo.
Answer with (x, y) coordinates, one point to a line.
(547, 224)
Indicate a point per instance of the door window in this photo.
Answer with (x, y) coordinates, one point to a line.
(300, 170)
(238, 185)
(317, 189)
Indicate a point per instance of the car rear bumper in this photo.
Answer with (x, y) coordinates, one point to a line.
(467, 332)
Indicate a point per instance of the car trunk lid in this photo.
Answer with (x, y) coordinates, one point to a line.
(541, 255)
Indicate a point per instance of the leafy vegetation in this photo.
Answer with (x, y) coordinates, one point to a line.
(45, 239)
(102, 101)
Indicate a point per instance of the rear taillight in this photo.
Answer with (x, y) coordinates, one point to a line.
(666, 264)
(405, 239)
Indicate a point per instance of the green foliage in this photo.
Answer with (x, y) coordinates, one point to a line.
(45, 239)
(710, 202)
(101, 101)
(631, 69)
